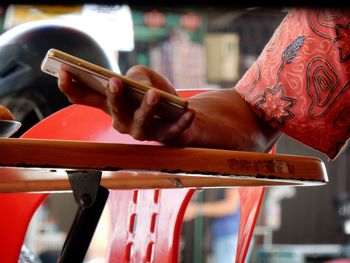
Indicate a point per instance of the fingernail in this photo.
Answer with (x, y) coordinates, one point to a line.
(112, 86)
(150, 97)
(188, 116)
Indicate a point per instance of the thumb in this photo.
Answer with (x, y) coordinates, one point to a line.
(5, 114)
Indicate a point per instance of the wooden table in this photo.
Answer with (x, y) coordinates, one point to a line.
(89, 169)
(41, 165)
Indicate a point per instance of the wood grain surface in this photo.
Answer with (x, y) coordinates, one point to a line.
(41, 165)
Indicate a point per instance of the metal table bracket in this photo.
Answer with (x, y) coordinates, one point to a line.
(91, 198)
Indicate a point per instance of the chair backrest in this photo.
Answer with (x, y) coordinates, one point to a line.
(147, 223)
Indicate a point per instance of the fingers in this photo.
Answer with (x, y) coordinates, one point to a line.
(150, 77)
(129, 117)
(79, 94)
(118, 106)
(177, 129)
(5, 114)
(141, 121)
(144, 116)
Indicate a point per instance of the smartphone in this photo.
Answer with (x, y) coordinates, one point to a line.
(96, 77)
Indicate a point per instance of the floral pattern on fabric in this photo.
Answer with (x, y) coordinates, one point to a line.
(275, 106)
(300, 82)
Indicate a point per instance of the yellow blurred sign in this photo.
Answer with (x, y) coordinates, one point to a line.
(19, 14)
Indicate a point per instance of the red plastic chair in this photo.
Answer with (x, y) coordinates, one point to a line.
(147, 222)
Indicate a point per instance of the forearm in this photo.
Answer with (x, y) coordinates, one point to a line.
(224, 120)
(218, 208)
(300, 82)
(224, 207)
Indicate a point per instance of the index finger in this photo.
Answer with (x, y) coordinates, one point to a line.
(79, 93)
(150, 77)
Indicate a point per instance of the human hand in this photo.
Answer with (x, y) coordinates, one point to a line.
(78, 93)
(215, 119)
(142, 123)
(5, 114)
(139, 121)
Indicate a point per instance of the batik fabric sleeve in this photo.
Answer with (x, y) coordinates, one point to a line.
(300, 83)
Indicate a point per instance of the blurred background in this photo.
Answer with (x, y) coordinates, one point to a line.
(194, 48)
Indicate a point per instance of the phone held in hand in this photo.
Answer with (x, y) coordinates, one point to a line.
(96, 77)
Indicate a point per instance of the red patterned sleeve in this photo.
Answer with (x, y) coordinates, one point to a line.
(300, 83)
